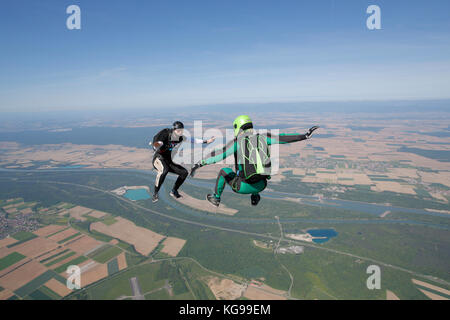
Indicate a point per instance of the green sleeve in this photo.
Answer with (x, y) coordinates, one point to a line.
(284, 138)
(218, 155)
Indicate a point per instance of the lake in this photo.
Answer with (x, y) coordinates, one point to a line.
(327, 233)
(137, 194)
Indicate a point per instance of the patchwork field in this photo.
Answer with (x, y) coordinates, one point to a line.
(143, 240)
(172, 246)
(257, 293)
(225, 289)
(26, 261)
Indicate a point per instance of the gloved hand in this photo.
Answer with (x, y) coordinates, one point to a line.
(310, 131)
(195, 167)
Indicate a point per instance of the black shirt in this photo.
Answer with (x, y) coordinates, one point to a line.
(166, 136)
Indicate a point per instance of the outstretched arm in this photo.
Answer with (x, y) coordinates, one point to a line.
(284, 138)
(220, 154)
(200, 141)
(216, 156)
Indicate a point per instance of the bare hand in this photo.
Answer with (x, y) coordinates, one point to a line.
(211, 140)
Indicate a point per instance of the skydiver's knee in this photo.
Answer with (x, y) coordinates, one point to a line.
(184, 173)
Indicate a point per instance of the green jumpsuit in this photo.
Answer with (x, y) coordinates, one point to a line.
(237, 182)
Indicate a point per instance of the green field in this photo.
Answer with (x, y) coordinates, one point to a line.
(108, 221)
(69, 238)
(55, 261)
(10, 259)
(54, 256)
(44, 293)
(35, 283)
(152, 277)
(75, 261)
(105, 253)
(22, 236)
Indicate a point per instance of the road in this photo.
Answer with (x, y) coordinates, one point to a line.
(137, 294)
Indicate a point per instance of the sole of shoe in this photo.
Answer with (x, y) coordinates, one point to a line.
(174, 196)
(215, 205)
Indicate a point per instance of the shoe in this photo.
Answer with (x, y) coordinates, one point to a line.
(213, 200)
(175, 194)
(255, 199)
(155, 197)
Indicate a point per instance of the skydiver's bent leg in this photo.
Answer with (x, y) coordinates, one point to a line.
(182, 175)
(163, 169)
(226, 175)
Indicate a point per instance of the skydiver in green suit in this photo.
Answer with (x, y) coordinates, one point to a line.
(252, 160)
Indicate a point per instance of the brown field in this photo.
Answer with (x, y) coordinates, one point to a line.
(58, 287)
(83, 244)
(7, 241)
(97, 214)
(255, 293)
(442, 177)
(391, 296)
(26, 211)
(430, 286)
(393, 186)
(5, 251)
(14, 266)
(63, 234)
(272, 290)
(114, 241)
(94, 156)
(122, 261)
(78, 211)
(47, 230)
(225, 289)
(35, 247)
(143, 240)
(204, 205)
(63, 212)
(5, 294)
(172, 246)
(432, 295)
(22, 275)
(93, 274)
(13, 205)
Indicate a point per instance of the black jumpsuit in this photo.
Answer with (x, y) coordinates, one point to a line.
(162, 160)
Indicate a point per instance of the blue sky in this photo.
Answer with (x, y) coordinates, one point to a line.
(152, 54)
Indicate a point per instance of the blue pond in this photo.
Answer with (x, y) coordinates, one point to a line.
(324, 234)
(137, 194)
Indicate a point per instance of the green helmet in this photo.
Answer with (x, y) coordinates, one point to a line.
(242, 123)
